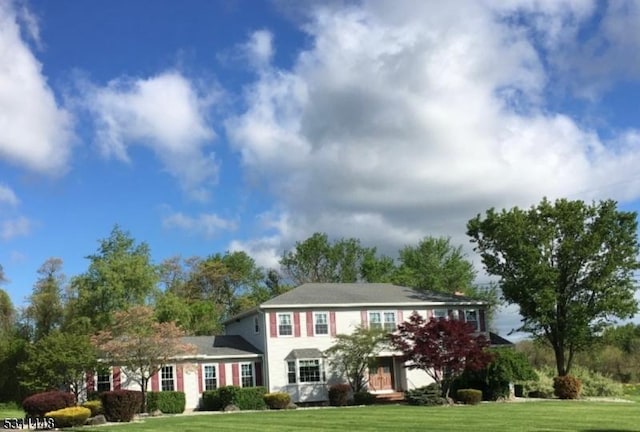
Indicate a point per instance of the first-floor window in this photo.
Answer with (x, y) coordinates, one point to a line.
(291, 371)
(166, 382)
(103, 381)
(305, 371)
(246, 375)
(440, 313)
(471, 316)
(210, 377)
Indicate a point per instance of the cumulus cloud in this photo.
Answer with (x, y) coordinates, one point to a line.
(14, 227)
(35, 131)
(208, 224)
(406, 119)
(259, 48)
(168, 114)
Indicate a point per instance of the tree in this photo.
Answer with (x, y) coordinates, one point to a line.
(7, 314)
(45, 310)
(351, 355)
(441, 348)
(317, 260)
(58, 360)
(140, 344)
(120, 275)
(567, 265)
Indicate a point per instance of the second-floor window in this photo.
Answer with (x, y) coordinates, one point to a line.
(166, 382)
(321, 323)
(256, 325)
(285, 326)
(382, 320)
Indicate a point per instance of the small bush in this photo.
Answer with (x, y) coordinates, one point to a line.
(95, 406)
(251, 398)
(425, 396)
(41, 403)
(69, 417)
(363, 398)
(277, 400)
(567, 387)
(543, 386)
(339, 394)
(469, 396)
(229, 395)
(168, 402)
(121, 405)
(595, 384)
(211, 401)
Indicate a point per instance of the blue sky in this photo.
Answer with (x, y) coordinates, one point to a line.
(207, 126)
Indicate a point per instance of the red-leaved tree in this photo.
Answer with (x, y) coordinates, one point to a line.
(442, 348)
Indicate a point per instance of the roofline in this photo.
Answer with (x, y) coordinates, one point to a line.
(207, 356)
(242, 314)
(370, 305)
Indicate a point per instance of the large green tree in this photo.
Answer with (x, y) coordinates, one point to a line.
(568, 266)
(45, 310)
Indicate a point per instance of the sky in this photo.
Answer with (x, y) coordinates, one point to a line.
(219, 125)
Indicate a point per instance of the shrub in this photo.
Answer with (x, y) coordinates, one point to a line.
(566, 387)
(95, 406)
(339, 394)
(228, 395)
(277, 400)
(68, 417)
(596, 384)
(168, 402)
(543, 386)
(425, 396)
(121, 405)
(363, 398)
(41, 403)
(211, 401)
(251, 398)
(469, 396)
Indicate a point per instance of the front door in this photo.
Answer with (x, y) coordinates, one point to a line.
(381, 374)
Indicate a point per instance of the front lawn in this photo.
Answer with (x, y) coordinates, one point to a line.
(580, 416)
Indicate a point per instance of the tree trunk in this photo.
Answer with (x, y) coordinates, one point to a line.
(560, 364)
(143, 387)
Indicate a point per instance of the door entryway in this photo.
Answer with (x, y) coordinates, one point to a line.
(381, 374)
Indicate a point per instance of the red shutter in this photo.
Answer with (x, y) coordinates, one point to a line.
(332, 323)
(400, 317)
(90, 381)
(235, 373)
(273, 325)
(116, 378)
(155, 381)
(309, 323)
(363, 319)
(296, 324)
(222, 371)
(200, 380)
(483, 325)
(180, 378)
(258, 368)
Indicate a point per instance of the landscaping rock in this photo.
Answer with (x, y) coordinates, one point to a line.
(231, 408)
(156, 413)
(97, 420)
(291, 406)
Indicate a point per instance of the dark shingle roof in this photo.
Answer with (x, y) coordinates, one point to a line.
(498, 341)
(304, 353)
(352, 294)
(219, 346)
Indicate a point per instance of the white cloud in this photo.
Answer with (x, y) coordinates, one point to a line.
(166, 113)
(259, 49)
(208, 224)
(16, 227)
(35, 132)
(7, 196)
(407, 119)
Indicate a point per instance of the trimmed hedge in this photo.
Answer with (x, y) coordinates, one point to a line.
(567, 387)
(245, 398)
(69, 417)
(39, 404)
(469, 396)
(168, 402)
(121, 405)
(425, 396)
(95, 406)
(277, 400)
(364, 398)
(339, 394)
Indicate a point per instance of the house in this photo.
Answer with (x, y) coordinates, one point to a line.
(280, 344)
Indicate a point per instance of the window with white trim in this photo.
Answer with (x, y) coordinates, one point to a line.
(321, 323)
(375, 320)
(305, 371)
(390, 321)
(383, 320)
(285, 325)
(103, 381)
(440, 313)
(291, 371)
(210, 377)
(246, 375)
(471, 317)
(166, 379)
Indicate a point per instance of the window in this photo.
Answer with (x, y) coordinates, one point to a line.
(471, 316)
(390, 321)
(210, 377)
(256, 325)
(321, 323)
(291, 371)
(166, 381)
(285, 328)
(440, 314)
(375, 320)
(103, 382)
(246, 375)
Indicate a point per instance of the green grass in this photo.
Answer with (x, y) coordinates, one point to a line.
(529, 416)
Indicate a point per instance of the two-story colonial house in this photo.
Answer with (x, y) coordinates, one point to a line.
(281, 343)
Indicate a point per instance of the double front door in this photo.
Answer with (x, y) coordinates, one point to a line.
(381, 374)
